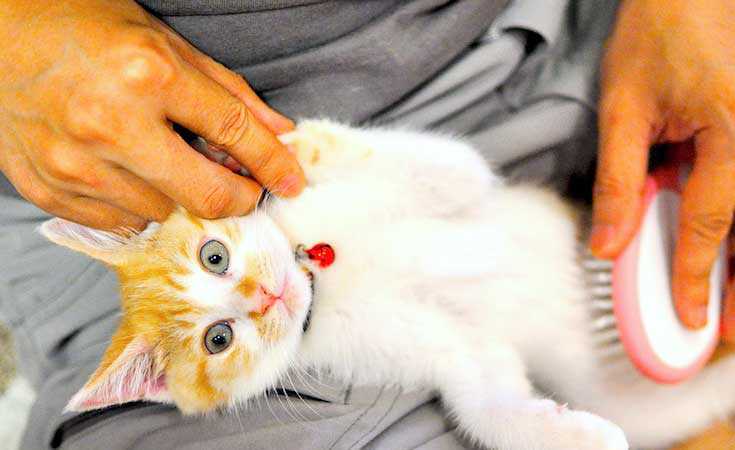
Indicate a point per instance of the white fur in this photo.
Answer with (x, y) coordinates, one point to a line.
(447, 279)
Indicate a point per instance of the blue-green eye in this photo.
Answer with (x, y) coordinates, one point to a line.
(218, 337)
(214, 257)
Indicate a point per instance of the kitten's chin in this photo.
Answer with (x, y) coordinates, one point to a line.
(297, 297)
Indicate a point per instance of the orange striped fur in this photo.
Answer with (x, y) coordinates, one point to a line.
(165, 318)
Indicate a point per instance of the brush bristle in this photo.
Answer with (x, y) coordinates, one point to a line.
(603, 326)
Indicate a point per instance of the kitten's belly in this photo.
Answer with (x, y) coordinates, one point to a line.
(494, 278)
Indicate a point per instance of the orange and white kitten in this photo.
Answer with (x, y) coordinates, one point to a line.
(445, 278)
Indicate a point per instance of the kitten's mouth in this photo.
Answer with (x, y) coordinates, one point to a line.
(289, 296)
(270, 299)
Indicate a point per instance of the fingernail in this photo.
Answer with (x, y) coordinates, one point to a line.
(286, 125)
(135, 223)
(696, 316)
(289, 185)
(601, 238)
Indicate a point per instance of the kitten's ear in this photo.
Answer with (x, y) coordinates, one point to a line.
(131, 370)
(102, 245)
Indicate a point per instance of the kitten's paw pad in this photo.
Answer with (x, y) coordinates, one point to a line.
(320, 142)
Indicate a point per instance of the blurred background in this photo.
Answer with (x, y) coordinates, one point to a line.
(16, 395)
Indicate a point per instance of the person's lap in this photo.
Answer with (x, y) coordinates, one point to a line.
(63, 308)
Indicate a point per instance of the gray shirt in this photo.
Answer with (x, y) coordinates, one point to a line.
(346, 59)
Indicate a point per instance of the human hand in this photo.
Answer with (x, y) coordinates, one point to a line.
(669, 76)
(89, 90)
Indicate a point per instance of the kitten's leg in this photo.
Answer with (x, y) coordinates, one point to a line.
(492, 400)
(436, 174)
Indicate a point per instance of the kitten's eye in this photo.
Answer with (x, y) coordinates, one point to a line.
(218, 337)
(214, 257)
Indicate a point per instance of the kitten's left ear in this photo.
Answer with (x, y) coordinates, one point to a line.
(105, 246)
(131, 370)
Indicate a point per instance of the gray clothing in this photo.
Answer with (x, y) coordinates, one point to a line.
(523, 91)
(331, 58)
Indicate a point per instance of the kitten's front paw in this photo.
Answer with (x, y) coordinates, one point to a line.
(545, 425)
(581, 430)
(308, 140)
(321, 145)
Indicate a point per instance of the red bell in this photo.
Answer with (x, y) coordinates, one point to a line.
(322, 254)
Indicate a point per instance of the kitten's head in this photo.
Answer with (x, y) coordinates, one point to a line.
(212, 310)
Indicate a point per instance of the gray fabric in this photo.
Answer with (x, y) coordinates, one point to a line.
(530, 113)
(523, 92)
(346, 59)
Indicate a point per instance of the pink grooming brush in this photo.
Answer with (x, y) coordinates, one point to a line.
(653, 337)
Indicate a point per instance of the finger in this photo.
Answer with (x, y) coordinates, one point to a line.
(229, 80)
(205, 108)
(201, 186)
(98, 214)
(704, 220)
(625, 138)
(120, 188)
(128, 191)
(73, 169)
(86, 211)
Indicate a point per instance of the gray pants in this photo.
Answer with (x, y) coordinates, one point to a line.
(525, 95)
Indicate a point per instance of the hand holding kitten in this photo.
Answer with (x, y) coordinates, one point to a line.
(89, 91)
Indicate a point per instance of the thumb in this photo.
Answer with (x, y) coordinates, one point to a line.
(625, 138)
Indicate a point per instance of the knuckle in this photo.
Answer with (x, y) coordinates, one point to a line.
(87, 118)
(611, 116)
(619, 107)
(608, 106)
(91, 179)
(608, 187)
(147, 60)
(41, 197)
(261, 160)
(234, 126)
(217, 201)
(61, 163)
(710, 227)
(612, 98)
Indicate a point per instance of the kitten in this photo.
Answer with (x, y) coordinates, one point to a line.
(445, 278)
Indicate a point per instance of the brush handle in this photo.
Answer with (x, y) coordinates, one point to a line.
(655, 340)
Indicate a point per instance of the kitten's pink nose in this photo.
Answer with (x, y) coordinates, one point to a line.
(267, 299)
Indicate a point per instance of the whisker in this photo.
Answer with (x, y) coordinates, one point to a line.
(287, 410)
(237, 414)
(302, 370)
(302, 398)
(265, 396)
(300, 418)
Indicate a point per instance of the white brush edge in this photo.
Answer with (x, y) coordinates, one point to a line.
(676, 345)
